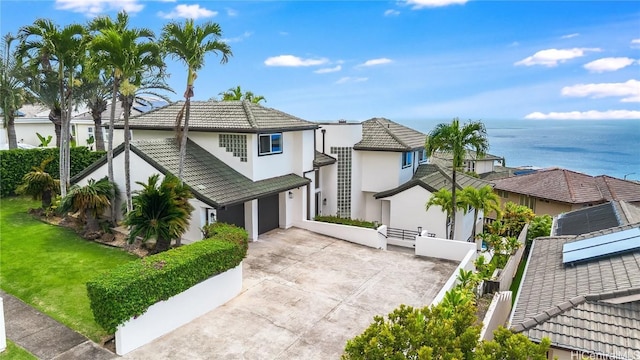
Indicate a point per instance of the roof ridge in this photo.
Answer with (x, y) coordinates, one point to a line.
(388, 131)
(544, 316)
(613, 294)
(569, 185)
(250, 117)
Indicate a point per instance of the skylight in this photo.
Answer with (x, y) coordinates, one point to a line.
(601, 246)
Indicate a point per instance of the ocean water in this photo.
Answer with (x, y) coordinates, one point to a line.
(606, 147)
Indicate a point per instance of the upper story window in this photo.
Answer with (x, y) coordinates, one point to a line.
(269, 144)
(422, 156)
(470, 166)
(407, 159)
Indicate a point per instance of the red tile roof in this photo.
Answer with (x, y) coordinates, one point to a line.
(571, 187)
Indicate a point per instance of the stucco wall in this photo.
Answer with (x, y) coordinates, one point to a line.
(380, 170)
(407, 211)
(542, 207)
(484, 166)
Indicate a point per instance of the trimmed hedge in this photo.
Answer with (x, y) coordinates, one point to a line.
(347, 221)
(129, 290)
(15, 163)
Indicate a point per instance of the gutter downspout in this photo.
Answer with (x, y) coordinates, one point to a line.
(304, 175)
(324, 131)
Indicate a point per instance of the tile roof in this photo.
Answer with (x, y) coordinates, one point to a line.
(433, 178)
(564, 303)
(380, 134)
(469, 155)
(210, 179)
(322, 159)
(571, 187)
(223, 116)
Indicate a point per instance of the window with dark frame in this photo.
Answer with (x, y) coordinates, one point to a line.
(269, 144)
(422, 156)
(407, 159)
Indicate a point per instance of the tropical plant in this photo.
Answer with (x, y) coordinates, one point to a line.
(45, 42)
(539, 226)
(44, 141)
(235, 94)
(467, 279)
(12, 93)
(89, 201)
(456, 140)
(95, 90)
(124, 52)
(90, 141)
(43, 88)
(515, 217)
(480, 199)
(507, 345)
(39, 184)
(444, 199)
(161, 211)
(190, 43)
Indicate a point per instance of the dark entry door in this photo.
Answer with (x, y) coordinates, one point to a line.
(232, 215)
(268, 214)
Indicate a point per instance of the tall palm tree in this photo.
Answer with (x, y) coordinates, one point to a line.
(125, 53)
(90, 201)
(161, 211)
(151, 89)
(12, 93)
(456, 140)
(480, 199)
(44, 42)
(95, 90)
(190, 43)
(237, 94)
(444, 200)
(43, 88)
(39, 184)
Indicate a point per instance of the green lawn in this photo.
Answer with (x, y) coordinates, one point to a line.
(47, 266)
(515, 285)
(15, 352)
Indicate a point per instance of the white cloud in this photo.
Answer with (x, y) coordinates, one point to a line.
(629, 91)
(420, 4)
(374, 62)
(188, 12)
(293, 61)
(635, 43)
(349, 79)
(328, 70)
(237, 38)
(608, 64)
(391, 12)
(96, 7)
(586, 115)
(569, 36)
(231, 12)
(514, 44)
(551, 57)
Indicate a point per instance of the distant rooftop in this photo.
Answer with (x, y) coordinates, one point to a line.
(380, 134)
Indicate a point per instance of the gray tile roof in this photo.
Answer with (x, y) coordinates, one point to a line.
(565, 303)
(469, 155)
(210, 179)
(433, 178)
(380, 134)
(322, 159)
(221, 116)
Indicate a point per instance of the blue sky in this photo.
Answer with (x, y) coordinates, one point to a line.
(404, 60)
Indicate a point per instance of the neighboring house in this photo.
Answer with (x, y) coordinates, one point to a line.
(246, 164)
(583, 291)
(378, 176)
(472, 162)
(554, 191)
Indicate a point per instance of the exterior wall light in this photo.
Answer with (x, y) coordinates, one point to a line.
(290, 195)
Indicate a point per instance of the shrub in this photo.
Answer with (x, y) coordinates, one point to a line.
(129, 290)
(347, 221)
(227, 232)
(17, 162)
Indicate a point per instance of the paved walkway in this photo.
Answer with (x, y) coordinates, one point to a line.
(44, 337)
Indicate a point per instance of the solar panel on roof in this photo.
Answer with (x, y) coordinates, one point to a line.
(601, 246)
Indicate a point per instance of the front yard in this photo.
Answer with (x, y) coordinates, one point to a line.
(48, 266)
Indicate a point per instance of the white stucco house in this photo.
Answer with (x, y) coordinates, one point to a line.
(381, 174)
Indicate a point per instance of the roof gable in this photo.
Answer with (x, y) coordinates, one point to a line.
(380, 134)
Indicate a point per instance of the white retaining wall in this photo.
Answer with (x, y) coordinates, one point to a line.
(375, 238)
(166, 316)
(466, 263)
(3, 334)
(497, 314)
(443, 248)
(506, 275)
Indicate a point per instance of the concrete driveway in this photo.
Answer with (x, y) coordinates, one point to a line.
(304, 295)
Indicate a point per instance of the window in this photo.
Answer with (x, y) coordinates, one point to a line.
(407, 159)
(470, 166)
(503, 194)
(269, 144)
(528, 201)
(422, 156)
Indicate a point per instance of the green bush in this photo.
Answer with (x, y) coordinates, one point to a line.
(14, 164)
(129, 290)
(347, 221)
(227, 232)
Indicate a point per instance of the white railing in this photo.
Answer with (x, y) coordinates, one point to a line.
(375, 238)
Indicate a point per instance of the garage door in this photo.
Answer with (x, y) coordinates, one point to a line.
(268, 214)
(232, 215)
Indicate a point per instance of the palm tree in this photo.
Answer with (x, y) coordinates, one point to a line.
(444, 199)
(161, 211)
(39, 184)
(456, 140)
(45, 42)
(190, 43)
(122, 51)
(480, 199)
(43, 88)
(147, 93)
(90, 201)
(12, 94)
(95, 91)
(235, 94)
